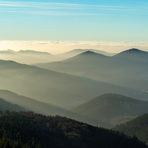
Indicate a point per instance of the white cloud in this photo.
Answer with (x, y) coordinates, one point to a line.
(56, 47)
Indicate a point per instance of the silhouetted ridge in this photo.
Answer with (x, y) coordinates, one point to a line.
(132, 51)
(91, 53)
(79, 51)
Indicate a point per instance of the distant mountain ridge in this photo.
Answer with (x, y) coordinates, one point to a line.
(60, 89)
(134, 51)
(33, 52)
(75, 52)
(91, 53)
(9, 51)
(119, 69)
(133, 54)
(35, 57)
(26, 56)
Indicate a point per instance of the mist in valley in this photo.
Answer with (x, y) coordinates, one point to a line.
(73, 74)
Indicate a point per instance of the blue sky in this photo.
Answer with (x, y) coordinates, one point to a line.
(99, 20)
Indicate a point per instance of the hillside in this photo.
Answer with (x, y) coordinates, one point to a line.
(112, 108)
(119, 69)
(55, 88)
(29, 104)
(5, 106)
(81, 58)
(137, 127)
(57, 132)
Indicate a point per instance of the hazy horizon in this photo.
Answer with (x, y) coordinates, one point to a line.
(57, 47)
(59, 26)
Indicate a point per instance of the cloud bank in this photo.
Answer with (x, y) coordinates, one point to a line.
(57, 47)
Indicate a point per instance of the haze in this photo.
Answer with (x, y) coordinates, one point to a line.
(73, 73)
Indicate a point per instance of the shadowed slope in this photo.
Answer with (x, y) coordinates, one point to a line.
(113, 108)
(137, 127)
(58, 132)
(39, 107)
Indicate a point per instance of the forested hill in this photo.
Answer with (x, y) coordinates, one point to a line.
(137, 127)
(29, 130)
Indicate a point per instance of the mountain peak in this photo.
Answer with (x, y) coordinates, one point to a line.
(79, 51)
(133, 51)
(91, 53)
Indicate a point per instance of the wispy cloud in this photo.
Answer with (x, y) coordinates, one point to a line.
(48, 8)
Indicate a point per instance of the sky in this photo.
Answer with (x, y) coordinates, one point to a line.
(73, 21)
